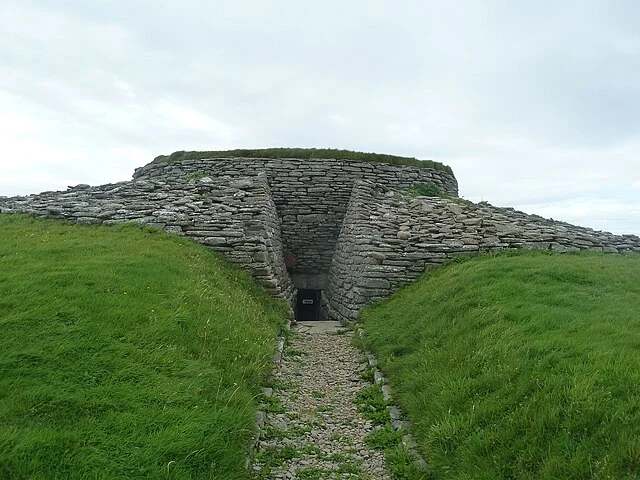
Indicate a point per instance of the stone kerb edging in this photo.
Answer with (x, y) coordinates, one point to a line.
(268, 392)
(261, 415)
(396, 417)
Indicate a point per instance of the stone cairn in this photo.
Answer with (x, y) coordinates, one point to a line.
(348, 224)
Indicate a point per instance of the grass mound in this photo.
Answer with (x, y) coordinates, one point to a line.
(126, 353)
(521, 366)
(304, 153)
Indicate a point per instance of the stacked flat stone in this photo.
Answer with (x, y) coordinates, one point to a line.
(311, 196)
(236, 217)
(388, 240)
(344, 220)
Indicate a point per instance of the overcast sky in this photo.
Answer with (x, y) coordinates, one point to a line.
(535, 105)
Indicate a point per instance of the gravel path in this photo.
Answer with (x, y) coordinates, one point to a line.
(313, 429)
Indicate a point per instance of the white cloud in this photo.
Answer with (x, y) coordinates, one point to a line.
(533, 105)
(124, 87)
(616, 216)
(181, 116)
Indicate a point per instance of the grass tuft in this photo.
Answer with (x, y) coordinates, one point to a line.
(423, 190)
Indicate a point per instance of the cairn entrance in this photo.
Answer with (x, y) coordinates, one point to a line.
(308, 305)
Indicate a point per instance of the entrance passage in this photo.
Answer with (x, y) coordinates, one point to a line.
(308, 305)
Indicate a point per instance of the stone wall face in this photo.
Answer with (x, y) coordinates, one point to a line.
(311, 196)
(235, 217)
(389, 240)
(353, 234)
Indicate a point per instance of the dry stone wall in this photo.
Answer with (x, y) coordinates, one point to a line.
(311, 196)
(352, 232)
(236, 217)
(388, 240)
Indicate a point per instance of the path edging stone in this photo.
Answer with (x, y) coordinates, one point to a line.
(397, 418)
(261, 415)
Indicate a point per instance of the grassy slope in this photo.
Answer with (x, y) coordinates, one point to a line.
(304, 153)
(125, 354)
(519, 366)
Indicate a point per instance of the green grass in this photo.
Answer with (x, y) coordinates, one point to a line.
(126, 353)
(304, 153)
(423, 189)
(521, 366)
(372, 405)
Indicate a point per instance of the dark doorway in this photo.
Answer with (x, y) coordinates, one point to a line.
(308, 305)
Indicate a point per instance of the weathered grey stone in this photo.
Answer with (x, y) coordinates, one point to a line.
(454, 208)
(377, 255)
(214, 241)
(446, 230)
(89, 220)
(375, 283)
(173, 229)
(342, 221)
(243, 183)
